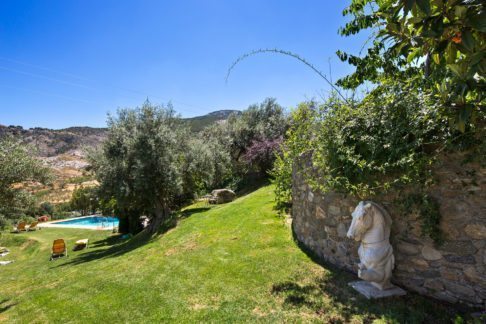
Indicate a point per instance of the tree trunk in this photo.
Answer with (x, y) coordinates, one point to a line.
(161, 213)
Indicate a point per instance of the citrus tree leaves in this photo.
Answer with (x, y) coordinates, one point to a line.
(429, 41)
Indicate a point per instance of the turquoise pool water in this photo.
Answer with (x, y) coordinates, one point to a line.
(91, 221)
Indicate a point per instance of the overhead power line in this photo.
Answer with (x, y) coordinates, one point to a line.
(80, 85)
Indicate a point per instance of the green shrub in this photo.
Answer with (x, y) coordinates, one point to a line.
(387, 141)
(5, 223)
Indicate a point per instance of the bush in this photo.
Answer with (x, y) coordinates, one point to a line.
(26, 218)
(46, 208)
(61, 215)
(5, 223)
(385, 142)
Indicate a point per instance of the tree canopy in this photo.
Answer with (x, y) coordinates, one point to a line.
(436, 45)
(18, 164)
(150, 163)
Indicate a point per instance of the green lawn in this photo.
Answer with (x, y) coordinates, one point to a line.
(231, 263)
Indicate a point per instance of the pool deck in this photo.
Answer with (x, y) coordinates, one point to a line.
(54, 224)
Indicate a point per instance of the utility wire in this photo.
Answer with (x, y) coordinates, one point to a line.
(47, 94)
(198, 111)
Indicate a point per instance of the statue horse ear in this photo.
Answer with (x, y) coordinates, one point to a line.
(367, 206)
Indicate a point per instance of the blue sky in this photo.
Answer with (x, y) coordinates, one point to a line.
(66, 63)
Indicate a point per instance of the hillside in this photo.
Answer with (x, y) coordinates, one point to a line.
(228, 263)
(197, 124)
(64, 151)
(54, 142)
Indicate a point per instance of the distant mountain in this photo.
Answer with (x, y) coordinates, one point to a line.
(62, 150)
(198, 123)
(53, 142)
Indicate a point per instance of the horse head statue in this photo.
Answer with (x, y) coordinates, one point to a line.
(371, 226)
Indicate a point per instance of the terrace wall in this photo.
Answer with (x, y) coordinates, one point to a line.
(454, 271)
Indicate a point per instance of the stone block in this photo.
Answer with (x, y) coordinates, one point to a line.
(371, 292)
(449, 274)
(476, 231)
(408, 248)
(473, 276)
(341, 230)
(459, 289)
(450, 231)
(459, 247)
(310, 196)
(464, 259)
(442, 295)
(434, 284)
(431, 254)
(330, 221)
(320, 213)
(429, 274)
(419, 264)
(334, 210)
(331, 231)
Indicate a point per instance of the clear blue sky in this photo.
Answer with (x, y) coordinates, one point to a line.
(70, 62)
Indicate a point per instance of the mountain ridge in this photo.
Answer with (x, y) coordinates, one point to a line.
(52, 142)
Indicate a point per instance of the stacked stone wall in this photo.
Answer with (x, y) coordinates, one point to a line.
(454, 271)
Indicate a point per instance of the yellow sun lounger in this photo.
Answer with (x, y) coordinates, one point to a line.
(59, 249)
(33, 226)
(19, 228)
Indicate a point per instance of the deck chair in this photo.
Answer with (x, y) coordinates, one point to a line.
(19, 228)
(33, 226)
(59, 249)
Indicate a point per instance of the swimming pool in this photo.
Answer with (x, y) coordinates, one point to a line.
(88, 222)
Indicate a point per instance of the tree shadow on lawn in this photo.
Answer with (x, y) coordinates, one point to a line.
(190, 211)
(251, 184)
(330, 297)
(117, 246)
(5, 305)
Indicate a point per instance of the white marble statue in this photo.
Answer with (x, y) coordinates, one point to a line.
(371, 226)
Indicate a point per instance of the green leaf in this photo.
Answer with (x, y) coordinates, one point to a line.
(456, 69)
(468, 40)
(438, 26)
(408, 4)
(460, 11)
(451, 53)
(436, 58)
(477, 21)
(476, 58)
(415, 20)
(413, 54)
(393, 28)
(424, 6)
(461, 125)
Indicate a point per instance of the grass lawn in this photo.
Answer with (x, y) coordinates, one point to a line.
(230, 263)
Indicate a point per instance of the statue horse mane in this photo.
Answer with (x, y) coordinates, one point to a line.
(384, 214)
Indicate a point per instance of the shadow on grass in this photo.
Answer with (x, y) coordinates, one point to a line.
(190, 211)
(114, 246)
(5, 305)
(250, 185)
(117, 246)
(330, 297)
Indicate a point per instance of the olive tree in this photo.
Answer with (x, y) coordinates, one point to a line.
(18, 164)
(147, 162)
(85, 200)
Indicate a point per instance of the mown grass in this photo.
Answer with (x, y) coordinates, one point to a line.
(230, 263)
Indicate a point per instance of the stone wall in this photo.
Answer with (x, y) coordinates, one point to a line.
(454, 271)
